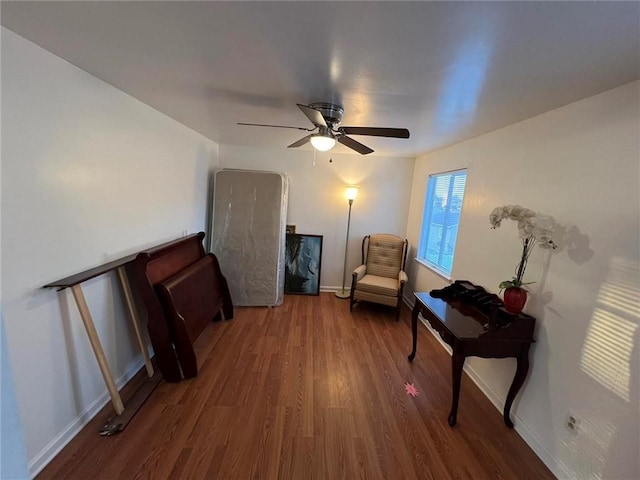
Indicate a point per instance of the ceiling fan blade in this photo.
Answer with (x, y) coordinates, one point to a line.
(376, 132)
(354, 145)
(300, 142)
(275, 126)
(313, 115)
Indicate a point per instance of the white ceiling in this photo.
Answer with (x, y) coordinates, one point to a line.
(447, 71)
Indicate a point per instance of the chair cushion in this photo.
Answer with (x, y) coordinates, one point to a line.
(359, 295)
(378, 285)
(384, 255)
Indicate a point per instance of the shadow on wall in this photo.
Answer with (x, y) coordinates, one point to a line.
(209, 210)
(574, 242)
(70, 348)
(578, 250)
(610, 358)
(13, 455)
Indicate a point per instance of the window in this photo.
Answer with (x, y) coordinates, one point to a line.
(442, 207)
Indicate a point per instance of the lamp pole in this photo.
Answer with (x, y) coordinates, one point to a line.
(352, 191)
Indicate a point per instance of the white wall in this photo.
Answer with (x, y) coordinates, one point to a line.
(579, 164)
(13, 455)
(317, 203)
(88, 174)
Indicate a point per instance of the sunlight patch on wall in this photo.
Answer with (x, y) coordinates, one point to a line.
(596, 436)
(459, 101)
(621, 291)
(606, 355)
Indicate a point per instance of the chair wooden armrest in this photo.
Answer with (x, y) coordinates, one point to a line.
(402, 277)
(359, 272)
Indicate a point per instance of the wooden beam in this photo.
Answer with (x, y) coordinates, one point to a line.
(97, 348)
(128, 296)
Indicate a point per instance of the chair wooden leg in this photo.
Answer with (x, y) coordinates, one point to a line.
(352, 292)
(400, 297)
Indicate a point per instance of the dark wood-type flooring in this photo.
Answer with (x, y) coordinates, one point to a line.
(307, 390)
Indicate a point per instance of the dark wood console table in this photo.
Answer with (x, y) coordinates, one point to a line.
(470, 333)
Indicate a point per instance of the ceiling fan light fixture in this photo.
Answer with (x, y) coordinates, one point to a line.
(325, 118)
(323, 143)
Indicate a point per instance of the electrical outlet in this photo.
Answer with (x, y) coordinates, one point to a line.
(572, 422)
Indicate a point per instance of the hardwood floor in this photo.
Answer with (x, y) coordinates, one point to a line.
(307, 390)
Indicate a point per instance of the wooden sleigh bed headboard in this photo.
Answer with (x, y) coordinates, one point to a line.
(183, 290)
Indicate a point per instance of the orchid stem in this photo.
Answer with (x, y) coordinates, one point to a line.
(523, 261)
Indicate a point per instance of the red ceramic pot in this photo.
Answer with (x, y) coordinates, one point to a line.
(514, 299)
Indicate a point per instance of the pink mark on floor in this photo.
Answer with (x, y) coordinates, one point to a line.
(411, 389)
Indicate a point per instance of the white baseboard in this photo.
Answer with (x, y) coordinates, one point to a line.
(524, 430)
(329, 288)
(42, 458)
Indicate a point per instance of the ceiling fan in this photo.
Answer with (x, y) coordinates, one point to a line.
(326, 117)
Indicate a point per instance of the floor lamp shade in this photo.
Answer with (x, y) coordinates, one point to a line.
(351, 191)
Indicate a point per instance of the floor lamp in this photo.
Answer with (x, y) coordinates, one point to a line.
(351, 192)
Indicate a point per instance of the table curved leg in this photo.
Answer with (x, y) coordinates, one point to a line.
(521, 373)
(414, 331)
(457, 362)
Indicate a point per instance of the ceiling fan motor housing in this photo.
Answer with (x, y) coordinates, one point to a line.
(325, 132)
(331, 113)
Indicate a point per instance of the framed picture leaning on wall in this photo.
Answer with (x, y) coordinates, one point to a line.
(303, 257)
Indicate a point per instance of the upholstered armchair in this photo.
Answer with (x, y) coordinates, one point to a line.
(381, 277)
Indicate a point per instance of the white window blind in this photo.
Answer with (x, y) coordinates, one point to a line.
(443, 205)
